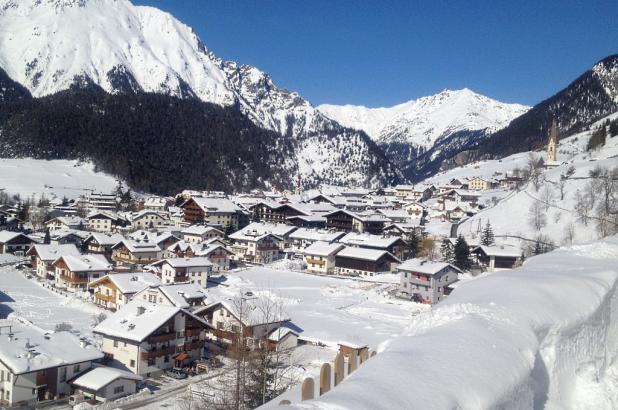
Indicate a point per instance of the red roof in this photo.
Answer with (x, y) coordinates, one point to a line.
(182, 356)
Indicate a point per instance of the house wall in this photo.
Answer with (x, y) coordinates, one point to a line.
(107, 393)
(195, 274)
(100, 224)
(148, 220)
(431, 291)
(290, 341)
(124, 353)
(320, 264)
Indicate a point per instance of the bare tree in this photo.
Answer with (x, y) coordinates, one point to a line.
(547, 196)
(584, 204)
(569, 234)
(536, 216)
(562, 186)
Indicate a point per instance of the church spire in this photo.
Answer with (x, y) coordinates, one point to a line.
(552, 143)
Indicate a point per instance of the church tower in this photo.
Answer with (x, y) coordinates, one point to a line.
(552, 143)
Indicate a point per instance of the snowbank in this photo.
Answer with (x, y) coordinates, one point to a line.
(542, 336)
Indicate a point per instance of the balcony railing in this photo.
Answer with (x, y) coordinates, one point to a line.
(163, 337)
(198, 344)
(267, 248)
(72, 279)
(107, 298)
(158, 353)
(315, 261)
(193, 332)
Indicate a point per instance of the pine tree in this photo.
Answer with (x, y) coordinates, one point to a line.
(462, 254)
(47, 239)
(487, 238)
(447, 251)
(413, 243)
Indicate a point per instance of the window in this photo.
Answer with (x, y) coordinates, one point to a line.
(132, 363)
(166, 359)
(76, 368)
(63, 374)
(119, 389)
(33, 392)
(115, 343)
(151, 362)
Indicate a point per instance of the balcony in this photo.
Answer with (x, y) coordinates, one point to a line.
(71, 279)
(106, 298)
(265, 248)
(163, 337)
(158, 353)
(193, 332)
(191, 346)
(315, 261)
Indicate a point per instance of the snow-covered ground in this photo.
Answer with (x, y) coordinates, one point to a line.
(327, 309)
(27, 176)
(22, 298)
(541, 336)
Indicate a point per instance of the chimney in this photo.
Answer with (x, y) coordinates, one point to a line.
(141, 310)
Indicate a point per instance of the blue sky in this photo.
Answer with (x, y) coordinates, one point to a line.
(380, 53)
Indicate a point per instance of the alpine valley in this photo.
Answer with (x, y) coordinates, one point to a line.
(154, 88)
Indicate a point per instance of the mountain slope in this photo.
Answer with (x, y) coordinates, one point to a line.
(131, 49)
(419, 134)
(592, 96)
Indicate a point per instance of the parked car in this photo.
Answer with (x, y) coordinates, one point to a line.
(176, 373)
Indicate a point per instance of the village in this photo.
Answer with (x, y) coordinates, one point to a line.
(152, 270)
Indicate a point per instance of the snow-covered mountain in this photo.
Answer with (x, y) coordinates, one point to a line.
(424, 121)
(125, 48)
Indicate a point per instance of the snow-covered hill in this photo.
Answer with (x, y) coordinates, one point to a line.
(424, 121)
(125, 48)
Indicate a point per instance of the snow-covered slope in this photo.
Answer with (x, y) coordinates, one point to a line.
(423, 121)
(544, 336)
(125, 48)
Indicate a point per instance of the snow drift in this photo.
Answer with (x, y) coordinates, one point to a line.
(542, 336)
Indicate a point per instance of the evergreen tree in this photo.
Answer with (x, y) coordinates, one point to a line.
(47, 239)
(462, 254)
(487, 238)
(447, 251)
(414, 243)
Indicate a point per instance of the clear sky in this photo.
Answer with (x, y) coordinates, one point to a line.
(380, 53)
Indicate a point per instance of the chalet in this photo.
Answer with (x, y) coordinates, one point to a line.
(250, 246)
(155, 203)
(403, 191)
(136, 253)
(426, 282)
(282, 231)
(422, 193)
(414, 209)
(9, 222)
(497, 257)
(69, 237)
(303, 237)
(347, 221)
(481, 184)
(392, 244)
(101, 243)
(270, 211)
(104, 221)
(102, 384)
(36, 365)
(148, 219)
(100, 201)
(182, 295)
(214, 211)
(396, 215)
(201, 233)
(458, 196)
(511, 182)
(14, 242)
(65, 223)
(320, 256)
(334, 201)
(182, 249)
(228, 320)
(406, 231)
(307, 221)
(193, 270)
(43, 256)
(282, 338)
(115, 290)
(354, 261)
(75, 272)
(147, 338)
(162, 239)
(218, 255)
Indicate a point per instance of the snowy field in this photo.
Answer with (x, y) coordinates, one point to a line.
(541, 336)
(27, 176)
(327, 309)
(25, 299)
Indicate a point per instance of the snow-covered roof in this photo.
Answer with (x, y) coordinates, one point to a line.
(181, 293)
(85, 263)
(104, 239)
(251, 235)
(364, 253)
(99, 377)
(426, 267)
(505, 251)
(222, 205)
(30, 348)
(208, 249)
(136, 320)
(49, 253)
(316, 235)
(200, 230)
(7, 236)
(266, 227)
(129, 283)
(67, 220)
(368, 240)
(280, 333)
(251, 316)
(185, 262)
(137, 246)
(323, 248)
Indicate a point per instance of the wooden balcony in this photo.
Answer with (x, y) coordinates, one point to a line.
(158, 353)
(106, 298)
(163, 337)
(71, 279)
(193, 332)
(265, 248)
(315, 261)
(192, 346)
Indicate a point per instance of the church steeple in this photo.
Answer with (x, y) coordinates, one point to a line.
(552, 143)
